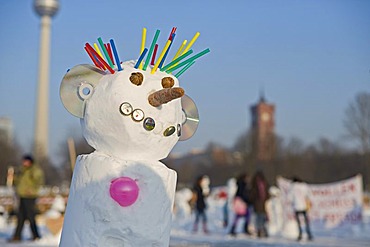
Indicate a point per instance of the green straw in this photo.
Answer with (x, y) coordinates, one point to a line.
(184, 69)
(105, 52)
(151, 49)
(176, 60)
(188, 60)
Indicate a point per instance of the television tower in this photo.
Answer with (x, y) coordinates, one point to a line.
(46, 9)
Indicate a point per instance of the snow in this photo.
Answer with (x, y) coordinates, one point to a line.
(182, 236)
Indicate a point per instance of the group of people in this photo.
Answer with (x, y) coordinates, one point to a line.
(251, 195)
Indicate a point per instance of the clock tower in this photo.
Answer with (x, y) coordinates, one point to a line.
(262, 127)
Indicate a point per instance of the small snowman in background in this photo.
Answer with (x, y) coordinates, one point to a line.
(274, 208)
(182, 205)
(3, 223)
(205, 185)
(228, 210)
(54, 216)
(121, 194)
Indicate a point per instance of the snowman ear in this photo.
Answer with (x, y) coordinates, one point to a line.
(77, 86)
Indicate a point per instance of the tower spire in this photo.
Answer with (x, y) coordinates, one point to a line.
(262, 95)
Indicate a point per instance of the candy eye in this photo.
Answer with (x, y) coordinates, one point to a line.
(137, 115)
(179, 130)
(149, 124)
(169, 131)
(125, 109)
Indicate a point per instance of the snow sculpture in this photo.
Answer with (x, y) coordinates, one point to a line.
(133, 115)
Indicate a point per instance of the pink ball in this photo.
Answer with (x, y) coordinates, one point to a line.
(124, 190)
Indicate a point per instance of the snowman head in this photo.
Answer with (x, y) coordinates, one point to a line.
(126, 110)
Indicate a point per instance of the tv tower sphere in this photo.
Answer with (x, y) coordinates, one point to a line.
(46, 7)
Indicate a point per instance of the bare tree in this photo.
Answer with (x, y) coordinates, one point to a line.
(357, 120)
(10, 154)
(243, 143)
(294, 147)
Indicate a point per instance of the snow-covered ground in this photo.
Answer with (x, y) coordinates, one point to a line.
(182, 235)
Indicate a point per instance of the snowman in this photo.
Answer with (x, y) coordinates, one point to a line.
(121, 194)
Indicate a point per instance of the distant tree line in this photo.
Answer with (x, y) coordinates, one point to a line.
(321, 162)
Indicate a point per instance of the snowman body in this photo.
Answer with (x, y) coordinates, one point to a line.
(130, 136)
(94, 219)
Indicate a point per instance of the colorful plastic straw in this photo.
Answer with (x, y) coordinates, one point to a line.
(118, 62)
(165, 55)
(100, 64)
(109, 49)
(191, 42)
(179, 50)
(151, 49)
(171, 64)
(143, 39)
(154, 54)
(188, 60)
(97, 61)
(93, 58)
(141, 58)
(97, 49)
(168, 43)
(172, 32)
(184, 69)
(105, 52)
(101, 60)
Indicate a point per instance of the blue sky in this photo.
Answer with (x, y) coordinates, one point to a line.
(310, 57)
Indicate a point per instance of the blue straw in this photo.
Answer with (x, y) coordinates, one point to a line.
(115, 55)
(141, 58)
(165, 55)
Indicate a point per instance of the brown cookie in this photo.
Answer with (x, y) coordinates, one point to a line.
(168, 82)
(137, 78)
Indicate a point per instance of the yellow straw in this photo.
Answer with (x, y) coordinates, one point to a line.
(143, 39)
(161, 56)
(97, 49)
(179, 50)
(191, 42)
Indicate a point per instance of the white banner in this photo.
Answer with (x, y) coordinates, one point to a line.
(333, 205)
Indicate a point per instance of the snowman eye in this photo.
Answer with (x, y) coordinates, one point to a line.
(125, 109)
(179, 130)
(149, 123)
(137, 115)
(169, 131)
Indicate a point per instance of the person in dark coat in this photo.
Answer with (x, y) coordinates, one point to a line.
(241, 198)
(258, 196)
(200, 192)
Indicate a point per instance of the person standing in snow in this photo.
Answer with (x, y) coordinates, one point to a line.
(27, 183)
(300, 197)
(258, 196)
(200, 192)
(241, 201)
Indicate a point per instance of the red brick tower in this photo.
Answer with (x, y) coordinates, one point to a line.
(263, 124)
